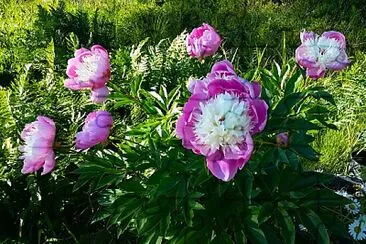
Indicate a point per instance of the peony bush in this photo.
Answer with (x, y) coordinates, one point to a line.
(215, 158)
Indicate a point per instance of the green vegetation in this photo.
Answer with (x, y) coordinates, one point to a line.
(146, 47)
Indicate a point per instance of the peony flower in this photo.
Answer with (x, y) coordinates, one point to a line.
(95, 130)
(89, 69)
(219, 119)
(357, 229)
(38, 149)
(282, 139)
(203, 41)
(319, 53)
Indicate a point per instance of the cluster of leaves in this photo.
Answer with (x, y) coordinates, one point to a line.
(151, 186)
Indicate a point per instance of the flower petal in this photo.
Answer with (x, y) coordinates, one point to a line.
(258, 111)
(99, 95)
(336, 35)
(340, 63)
(223, 169)
(315, 73)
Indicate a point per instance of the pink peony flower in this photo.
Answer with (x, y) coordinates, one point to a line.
(95, 130)
(219, 119)
(282, 139)
(38, 149)
(203, 42)
(319, 53)
(89, 69)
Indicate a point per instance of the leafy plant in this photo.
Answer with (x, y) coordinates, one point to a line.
(149, 185)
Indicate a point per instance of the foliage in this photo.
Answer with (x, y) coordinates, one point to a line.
(142, 186)
(151, 186)
(29, 26)
(336, 146)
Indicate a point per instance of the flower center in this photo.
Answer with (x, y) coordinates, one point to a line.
(223, 122)
(88, 67)
(357, 229)
(326, 50)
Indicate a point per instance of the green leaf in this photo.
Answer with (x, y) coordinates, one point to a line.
(131, 186)
(164, 224)
(255, 234)
(286, 104)
(265, 213)
(291, 83)
(271, 233)
(306, 151)
(287, 226)
(222, 238)
(239, 236)
(320, 93)
(314, 224)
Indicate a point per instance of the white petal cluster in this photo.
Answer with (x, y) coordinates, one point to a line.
(224, 122)
(326, 50)
(87, 69)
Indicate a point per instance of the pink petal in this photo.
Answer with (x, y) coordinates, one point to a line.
(100, 50)
(304, 36)
(103, 119)
(49, 163)
(80, 51)
(315, 73)
(77, 85)
(218, 86)
(336, 35)
(241, 151)
(72, 65)
(305, 57)
(340, 63)
(257, 89)
(99, 95)
(258, 111)
(223, 169)
(222, 68)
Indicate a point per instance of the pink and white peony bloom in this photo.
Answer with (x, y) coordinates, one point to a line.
(95, 130)
(219, 119)
(203, 41)
(38, 149)
(89, 69)
(319, 53)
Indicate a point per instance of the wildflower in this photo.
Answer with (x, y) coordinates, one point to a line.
(203, 41)
(319, 53)
(219, 119)
(38, 149)
(357, 229)
(354, 207)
